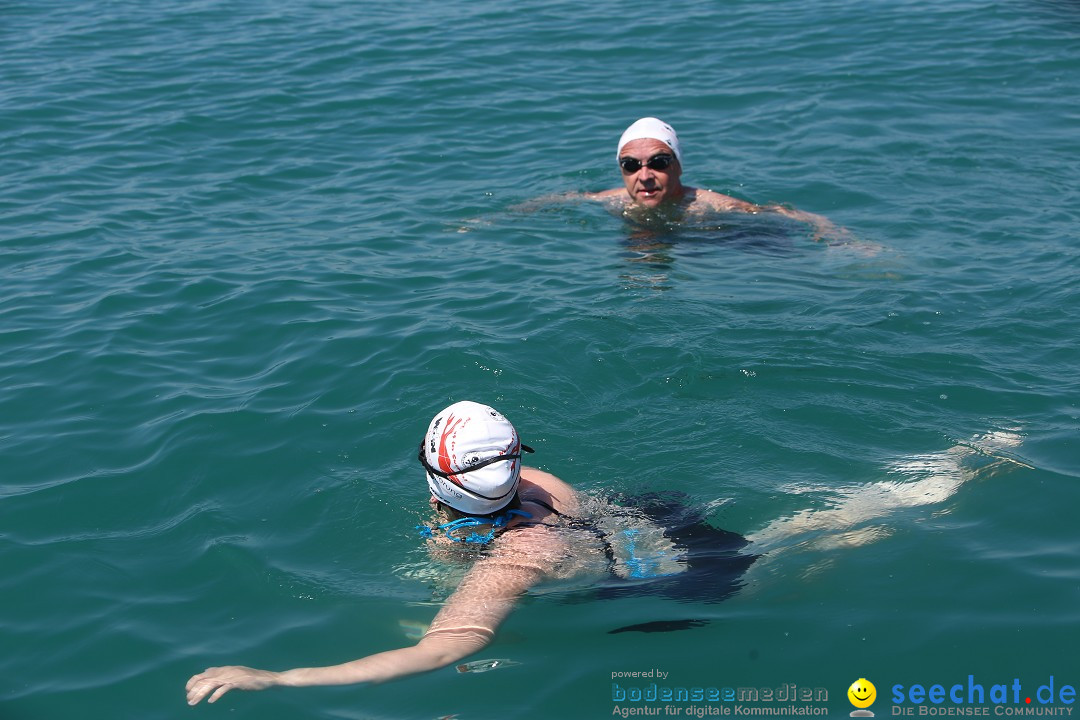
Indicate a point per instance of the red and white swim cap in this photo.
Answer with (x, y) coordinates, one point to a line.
(472, 456)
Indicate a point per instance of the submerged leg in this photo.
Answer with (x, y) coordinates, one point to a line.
(914, 481)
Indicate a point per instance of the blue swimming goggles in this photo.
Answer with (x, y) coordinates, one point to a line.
(501, 521)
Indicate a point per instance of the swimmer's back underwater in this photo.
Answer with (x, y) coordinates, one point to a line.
(665, 546)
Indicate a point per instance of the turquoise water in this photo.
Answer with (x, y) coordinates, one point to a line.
(248, 249)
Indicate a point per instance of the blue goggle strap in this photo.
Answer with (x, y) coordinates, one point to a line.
(467, 522)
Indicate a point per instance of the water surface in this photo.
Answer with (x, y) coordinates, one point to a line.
(249, 250)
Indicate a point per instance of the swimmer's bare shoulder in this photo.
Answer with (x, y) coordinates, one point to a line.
(549, 488)
(517, 559)
(693, 199)
(701, 200)
(612, 194)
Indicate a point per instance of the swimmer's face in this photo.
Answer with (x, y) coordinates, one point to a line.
(646, 186)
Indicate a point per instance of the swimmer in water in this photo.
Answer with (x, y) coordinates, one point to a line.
(484, 498)
(651, 165)
(528, 525)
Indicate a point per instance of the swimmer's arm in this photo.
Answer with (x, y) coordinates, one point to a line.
(563, 495)
(822, 226)
(529, 206)
(563, 198)
(612, 194)
(429, 654)
(539, 203)
(720, 202)
(465, 625)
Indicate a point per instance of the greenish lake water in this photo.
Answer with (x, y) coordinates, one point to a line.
(249, 249)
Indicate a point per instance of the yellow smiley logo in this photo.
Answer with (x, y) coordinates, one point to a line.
(862, 693)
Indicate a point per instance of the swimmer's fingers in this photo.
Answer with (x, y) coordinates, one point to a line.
(217, 681)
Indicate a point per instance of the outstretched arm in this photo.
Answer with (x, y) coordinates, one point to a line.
(545, 201)
(432, 652)
(465, 624)
(526, 207)
(823, 227)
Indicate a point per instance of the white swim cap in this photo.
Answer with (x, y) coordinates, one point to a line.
(652, 129)
(472, 455)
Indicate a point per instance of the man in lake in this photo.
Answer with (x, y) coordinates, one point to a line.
(650, 160)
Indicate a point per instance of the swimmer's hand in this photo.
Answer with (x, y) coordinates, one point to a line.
(217, 681)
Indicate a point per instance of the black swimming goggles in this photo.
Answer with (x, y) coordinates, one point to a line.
(631, 165)
(422, 457)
